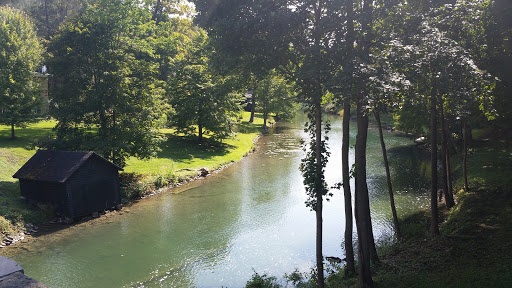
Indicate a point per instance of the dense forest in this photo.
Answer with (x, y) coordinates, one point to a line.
(124, 69)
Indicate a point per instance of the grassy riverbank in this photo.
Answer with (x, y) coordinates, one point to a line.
(474, 247)
(179, 159)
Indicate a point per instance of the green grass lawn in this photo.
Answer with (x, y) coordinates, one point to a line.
(13, 154)
(184, 152)
(178, 152)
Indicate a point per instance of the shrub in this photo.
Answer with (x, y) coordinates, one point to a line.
(5, 226)
(262, 281)
(137, 190)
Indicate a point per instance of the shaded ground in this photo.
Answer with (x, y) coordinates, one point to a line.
(473, 251)
(475, 247)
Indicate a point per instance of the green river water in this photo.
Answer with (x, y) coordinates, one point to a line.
(248, 217)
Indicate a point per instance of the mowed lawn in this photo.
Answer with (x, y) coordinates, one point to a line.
(178, 153)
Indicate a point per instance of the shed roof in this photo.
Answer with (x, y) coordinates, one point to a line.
(55, 166)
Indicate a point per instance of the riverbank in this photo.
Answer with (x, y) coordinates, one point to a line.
(474, 247)
(181, 160)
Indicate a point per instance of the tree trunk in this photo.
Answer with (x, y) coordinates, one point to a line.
(200, 131)
(465, 160)
(469, 135)
(349, 227)
(114, 134)
(388, 176)
(449, 175)
(319, 195)
(434, 225)
(12, 131)
(253, 107)
(444, 151)
(265, 113)
(47, 20)
(363, 218)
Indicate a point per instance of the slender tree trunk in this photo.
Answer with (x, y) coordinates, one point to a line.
(388, 176)
(114, 154)
(12, 131)
(200, 131)
(449, 175)
(363, 218)
(465, 160)
(469, 135)
(265, 113)
(319, 195)
(349, 227)
(444, 152)
(47, 20)
(253, 107)
(317, 94)
(434, 227)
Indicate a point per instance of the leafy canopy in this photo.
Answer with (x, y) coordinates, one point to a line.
(20, 55)
(105, 73)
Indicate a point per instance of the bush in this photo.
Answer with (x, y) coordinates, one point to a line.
(262, 281)
(302, 280)
(5, 226)
(161, 181)
(137, 190)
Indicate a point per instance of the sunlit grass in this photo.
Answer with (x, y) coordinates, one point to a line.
(178, 155)
(185, 152)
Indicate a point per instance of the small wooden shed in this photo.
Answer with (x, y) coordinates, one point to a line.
(75, 183)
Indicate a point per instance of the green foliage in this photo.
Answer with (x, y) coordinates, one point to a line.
(302, 280)
(275, 96)
(106, 78)
(201, 99)
(438, 66)
(262, 281)
(20, 55)
(314, 180)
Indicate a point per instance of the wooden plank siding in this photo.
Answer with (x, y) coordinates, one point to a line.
(93, 187)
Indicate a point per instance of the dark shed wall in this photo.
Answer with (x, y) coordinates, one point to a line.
(93, 187)
(44, 192)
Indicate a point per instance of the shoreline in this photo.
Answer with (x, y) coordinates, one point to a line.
(55, 225)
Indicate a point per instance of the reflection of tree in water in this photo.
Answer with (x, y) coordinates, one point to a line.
(411, 168)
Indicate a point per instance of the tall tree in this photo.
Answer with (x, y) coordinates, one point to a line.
(348, 89)
(200, 98)
(274, 95)
(20, 55)
(440, 70)
(105, 78)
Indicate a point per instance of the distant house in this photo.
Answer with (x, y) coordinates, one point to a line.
(247, 101)
(75, 183)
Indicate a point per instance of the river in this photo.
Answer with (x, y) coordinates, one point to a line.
(248, 217)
